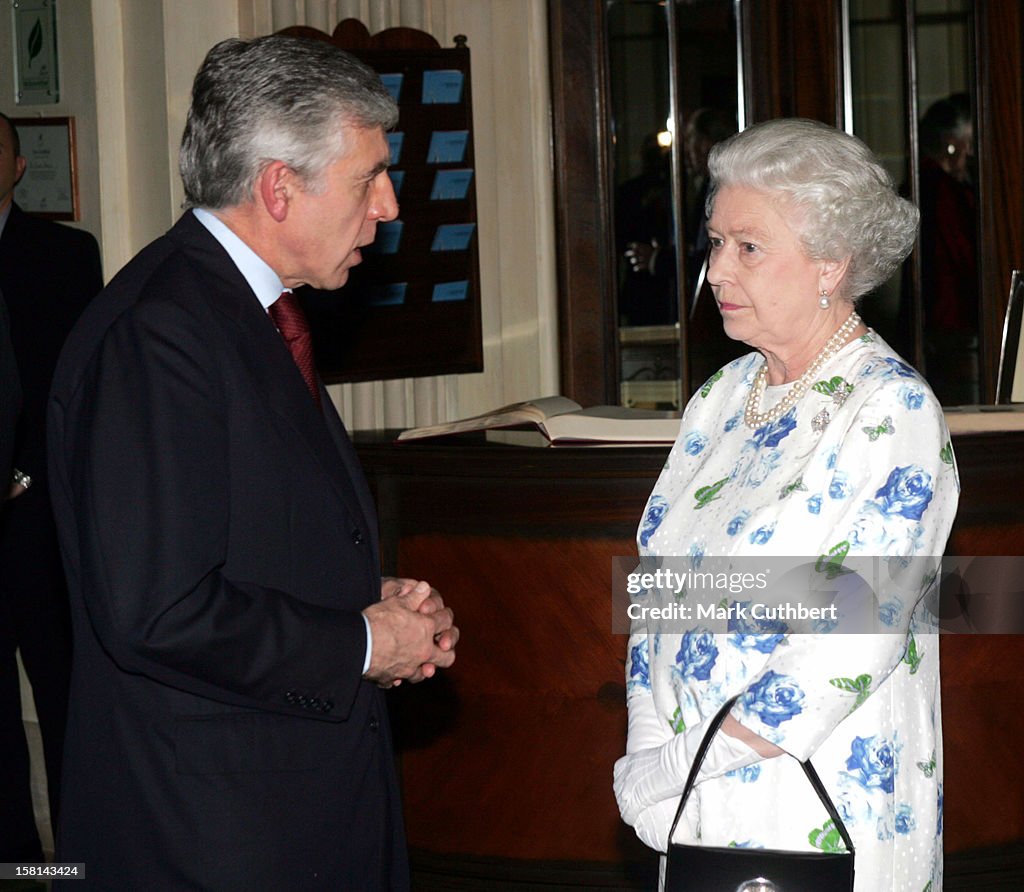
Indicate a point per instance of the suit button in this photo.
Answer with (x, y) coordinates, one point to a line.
(357, 537)
(374, 723)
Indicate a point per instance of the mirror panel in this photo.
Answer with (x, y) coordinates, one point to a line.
(642, 125)
(662, 131)
(796, 56)
(910, 71)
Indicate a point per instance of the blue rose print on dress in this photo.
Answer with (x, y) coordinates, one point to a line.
(830, 462)
(696, 554)
(760, 467)
(814, 504)
(732, 422)
(870, 532)
(889, 612)
(912, 396)
(768, 632)
(905, 822)
(772, 434)
(774, 698)
(656, 508)
(764, 644)
(697, 655)
(736, 524)
(694, 443)
(872, 763)
(938, 827)
(840, 487)
(894, 367)
(907, 492)
(884, 826)
(761, 535)
(747, 775)
(639, 667)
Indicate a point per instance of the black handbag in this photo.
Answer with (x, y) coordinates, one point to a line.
(694, 868)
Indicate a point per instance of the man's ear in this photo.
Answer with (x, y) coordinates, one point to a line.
(19, 169)
(275, 187)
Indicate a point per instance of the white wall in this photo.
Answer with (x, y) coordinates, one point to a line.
(147, 52)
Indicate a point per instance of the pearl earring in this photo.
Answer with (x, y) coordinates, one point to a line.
(824, 302)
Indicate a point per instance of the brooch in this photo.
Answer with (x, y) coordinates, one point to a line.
(820, 421)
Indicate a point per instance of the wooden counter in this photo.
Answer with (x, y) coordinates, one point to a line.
(507, 759)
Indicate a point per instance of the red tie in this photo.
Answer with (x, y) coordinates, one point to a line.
(291, 322)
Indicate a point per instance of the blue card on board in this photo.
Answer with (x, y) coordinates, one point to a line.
(450, 291)
(395, 146)
(442, 87)
(451, 184)
(447, 146)
(393, 84)
(452, 236)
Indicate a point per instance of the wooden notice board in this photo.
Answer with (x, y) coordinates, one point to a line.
(412, 307)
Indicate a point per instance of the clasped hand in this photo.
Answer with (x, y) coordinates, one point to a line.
(414, 634)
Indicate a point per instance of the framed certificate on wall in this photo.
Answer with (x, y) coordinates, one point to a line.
(49, 187)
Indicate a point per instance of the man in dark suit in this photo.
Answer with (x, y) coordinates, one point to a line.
(48, 273)
(227, 727)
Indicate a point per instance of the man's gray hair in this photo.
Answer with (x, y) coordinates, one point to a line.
(270, 99)
(836, 196)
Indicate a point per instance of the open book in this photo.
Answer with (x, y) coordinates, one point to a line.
(563, 421)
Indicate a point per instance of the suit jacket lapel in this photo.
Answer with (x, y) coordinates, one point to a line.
(272, 366)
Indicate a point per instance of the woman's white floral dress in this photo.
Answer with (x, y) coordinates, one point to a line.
(862, 465)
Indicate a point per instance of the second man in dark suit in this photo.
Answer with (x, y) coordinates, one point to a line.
(48, 274)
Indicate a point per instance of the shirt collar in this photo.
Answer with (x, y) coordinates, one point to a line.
(265, 283)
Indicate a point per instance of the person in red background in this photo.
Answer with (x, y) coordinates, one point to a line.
(949, 265)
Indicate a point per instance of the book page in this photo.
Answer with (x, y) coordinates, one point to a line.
(530, 412)
(614, 424)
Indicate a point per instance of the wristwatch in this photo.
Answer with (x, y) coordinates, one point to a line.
(22, 479)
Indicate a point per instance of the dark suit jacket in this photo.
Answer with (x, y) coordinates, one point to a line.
(220, 543)
(48, 274)
(10, 396)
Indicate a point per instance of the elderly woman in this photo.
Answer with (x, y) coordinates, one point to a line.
(823, 442)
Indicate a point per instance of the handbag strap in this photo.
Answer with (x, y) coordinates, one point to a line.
(811, 774)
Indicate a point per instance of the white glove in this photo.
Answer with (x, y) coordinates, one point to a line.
(653, 823)
(652, 775)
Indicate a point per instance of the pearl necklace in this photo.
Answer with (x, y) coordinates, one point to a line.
(754, 419)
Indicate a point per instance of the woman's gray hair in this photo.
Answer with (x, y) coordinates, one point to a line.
(841, 201)
(274, 98)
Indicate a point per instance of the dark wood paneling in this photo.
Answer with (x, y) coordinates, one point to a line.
(792, 62)
(584, 240)
(982, 709)
(540, 696)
